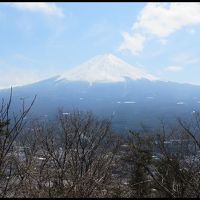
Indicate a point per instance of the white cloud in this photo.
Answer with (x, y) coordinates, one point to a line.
(45, 8)
(134, 43)
(192, 31)
(17, 77)
(173, 68)
(160, 20)
(163, 41)
(185, 59)
(22, 70)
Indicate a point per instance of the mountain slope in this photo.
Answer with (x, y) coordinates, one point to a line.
(111, 88)
(105, 68)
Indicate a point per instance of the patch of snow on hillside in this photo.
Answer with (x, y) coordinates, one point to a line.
(180, 103)
(129, 102)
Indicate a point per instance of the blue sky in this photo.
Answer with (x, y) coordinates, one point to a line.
(41, 40)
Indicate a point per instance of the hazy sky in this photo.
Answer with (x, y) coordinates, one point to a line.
(41, 40)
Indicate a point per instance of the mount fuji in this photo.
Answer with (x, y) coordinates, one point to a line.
(110, 87)
(104, 69)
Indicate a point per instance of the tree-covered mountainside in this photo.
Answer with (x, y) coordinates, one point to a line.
(127, 103)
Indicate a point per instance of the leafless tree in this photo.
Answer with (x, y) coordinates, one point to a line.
(71, 157)
(167, 163)
(10, 128)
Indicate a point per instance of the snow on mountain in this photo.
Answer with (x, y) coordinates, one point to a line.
(105, 68)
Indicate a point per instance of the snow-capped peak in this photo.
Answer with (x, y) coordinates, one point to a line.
(105, 68)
